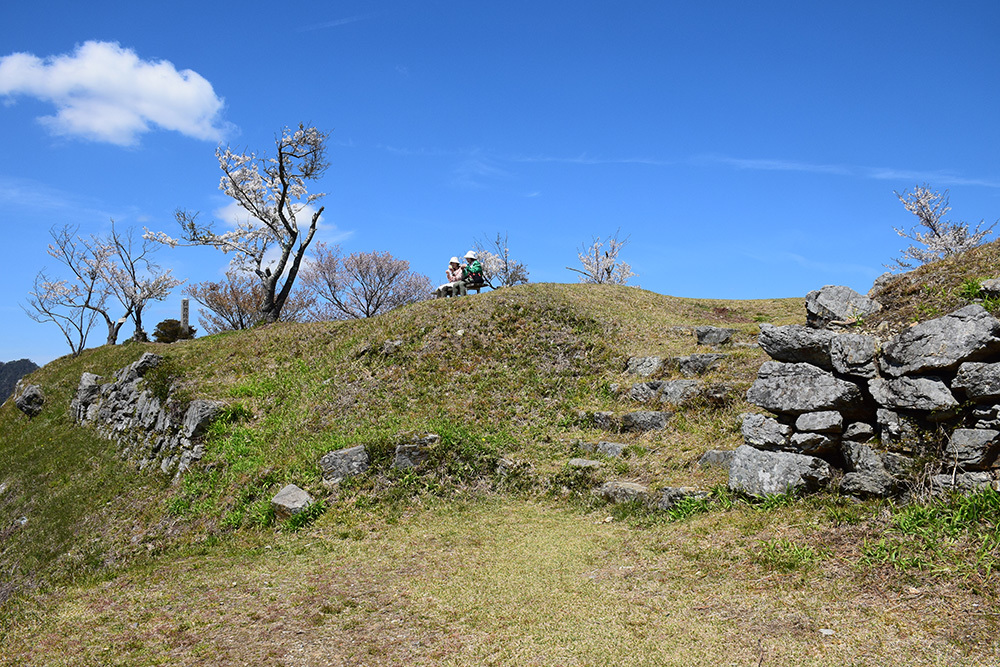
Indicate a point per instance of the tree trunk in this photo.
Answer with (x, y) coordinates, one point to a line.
(140, 334)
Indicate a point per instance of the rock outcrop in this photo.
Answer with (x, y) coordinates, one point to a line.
(149, 431)
(932, 391)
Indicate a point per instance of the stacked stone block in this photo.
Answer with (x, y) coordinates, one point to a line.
(851, 402)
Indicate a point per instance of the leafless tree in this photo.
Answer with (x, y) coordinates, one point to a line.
(499, 268)
(601, 263)
(269, 243)
(89, 262)
(941, 238)
(64, 304)
(134, 278)
(360, 285)
(234, 303)
(107, 272)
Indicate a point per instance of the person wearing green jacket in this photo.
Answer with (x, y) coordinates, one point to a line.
(472, 273)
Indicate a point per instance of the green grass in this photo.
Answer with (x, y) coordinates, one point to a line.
(495, 552)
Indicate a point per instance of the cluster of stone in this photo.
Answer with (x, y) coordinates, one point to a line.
(855, 403)
(412, 451)
(620, 491)
(679, 391)
(148, 431)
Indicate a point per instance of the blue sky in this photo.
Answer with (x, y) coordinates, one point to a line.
(748, 150)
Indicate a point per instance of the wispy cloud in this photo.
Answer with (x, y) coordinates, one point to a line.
(478, 172)
(584, 159)
(336, 23)
(935, 177)
(757, 164)
(104, 92)
(877, 173)
(20, 193)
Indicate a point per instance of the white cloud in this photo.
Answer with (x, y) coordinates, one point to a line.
(104, 92)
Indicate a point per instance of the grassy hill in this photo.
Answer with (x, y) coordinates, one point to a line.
(458, 563)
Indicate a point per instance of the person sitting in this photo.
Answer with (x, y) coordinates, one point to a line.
(454, 276)
(472, 273)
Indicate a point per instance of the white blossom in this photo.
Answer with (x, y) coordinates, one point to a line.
(940, 238)
(601, 264)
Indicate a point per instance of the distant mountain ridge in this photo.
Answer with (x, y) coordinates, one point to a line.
(11, 372)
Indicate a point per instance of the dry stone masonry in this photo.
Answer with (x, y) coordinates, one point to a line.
(875, 415)
(148, 431)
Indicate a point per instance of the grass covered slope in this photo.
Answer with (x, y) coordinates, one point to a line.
(458, 564)
(936, 289)
(502, 374)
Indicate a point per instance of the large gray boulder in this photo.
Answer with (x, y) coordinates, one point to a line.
(825, 421)
(343, 464)
(677, 392)
(716, 458)
(942, 344)
(972, 448)
(139, 368)
(854, 355)
(979, 382)
(199, 416)
(836, 303)
(645, 391)
(914, 393)
(623, 492)
(672, 495)
(84, 405)
(674, 392)
(765, 473)
(763, 432)
(814, 444)
(798, 388)
(859, 432)
(963, 481)
(868, 484)
(867, 476)
(795, 343)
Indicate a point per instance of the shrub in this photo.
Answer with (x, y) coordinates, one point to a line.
(169, 331)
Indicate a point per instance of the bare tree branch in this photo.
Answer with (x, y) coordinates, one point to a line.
(499, 268)
(234, 303)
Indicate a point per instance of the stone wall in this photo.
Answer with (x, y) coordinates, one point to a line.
(878, 417)
(149, 431)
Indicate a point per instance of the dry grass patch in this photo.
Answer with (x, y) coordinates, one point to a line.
(502, 582)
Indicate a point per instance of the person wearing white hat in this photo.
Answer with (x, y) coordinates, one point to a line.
(454, 276)
(472, 273)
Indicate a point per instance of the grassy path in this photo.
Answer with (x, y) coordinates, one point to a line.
(505, 582)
